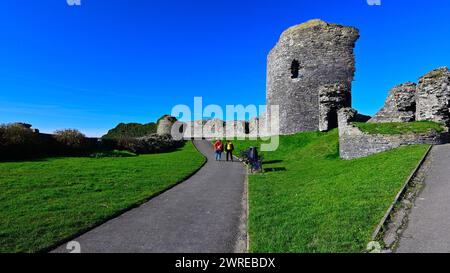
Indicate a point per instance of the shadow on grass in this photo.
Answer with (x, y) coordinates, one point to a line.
(39, 159)
(272, 170)
(273, 161)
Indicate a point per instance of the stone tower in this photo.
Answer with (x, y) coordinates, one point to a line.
(309, 75)
(165, 124)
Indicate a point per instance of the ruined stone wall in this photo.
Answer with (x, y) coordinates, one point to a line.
(433, 95)
(332, 97)
(429, 100)
(217, 128)
(306, 58)
(235, 129)
(214, 128)
(400, 105)
(253, 127)
(353, 143)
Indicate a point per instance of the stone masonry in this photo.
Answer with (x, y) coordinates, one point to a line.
(332, 97)
(429, 100)
(353, 143)
(433, 95)
(165, 125)
(308, 58)
(400, 105)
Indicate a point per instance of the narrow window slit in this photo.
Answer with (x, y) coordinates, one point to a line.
(295, 69)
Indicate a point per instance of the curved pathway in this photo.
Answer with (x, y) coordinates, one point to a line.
(204, 214)
(428, 229)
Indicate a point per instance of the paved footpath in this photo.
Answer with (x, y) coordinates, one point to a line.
(428, 230)
(200, 215)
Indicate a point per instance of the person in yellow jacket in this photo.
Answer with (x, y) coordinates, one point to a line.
(229, 148)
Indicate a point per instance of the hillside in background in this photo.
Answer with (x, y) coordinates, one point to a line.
(129, 130)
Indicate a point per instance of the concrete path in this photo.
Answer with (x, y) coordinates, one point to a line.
(428, 230)
(202, 215)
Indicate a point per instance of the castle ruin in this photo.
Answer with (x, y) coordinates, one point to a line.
(426, 101)
(309, 75)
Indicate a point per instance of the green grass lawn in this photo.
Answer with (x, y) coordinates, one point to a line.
(47, 200)
(309, 200)
(398, 128)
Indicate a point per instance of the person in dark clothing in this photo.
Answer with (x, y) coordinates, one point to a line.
(254, 160)
(229, 148)
(253, 154)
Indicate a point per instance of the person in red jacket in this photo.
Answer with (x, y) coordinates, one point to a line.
(218, 149)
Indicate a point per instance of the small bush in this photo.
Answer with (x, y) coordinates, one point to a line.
(71, 138)
(131, 144)
(17, 141)
(15, 134)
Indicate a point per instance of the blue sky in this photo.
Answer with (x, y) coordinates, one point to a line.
(111, 61)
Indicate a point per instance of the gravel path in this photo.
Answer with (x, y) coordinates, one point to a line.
(201, 215)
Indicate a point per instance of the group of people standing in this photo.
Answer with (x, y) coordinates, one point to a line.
(221, 147)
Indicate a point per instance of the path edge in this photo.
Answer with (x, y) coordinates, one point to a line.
(242, 244)
(389, 213)
(123, 211)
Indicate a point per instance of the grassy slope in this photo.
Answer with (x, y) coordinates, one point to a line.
(42, 202)
(320, 203)
(397, 128)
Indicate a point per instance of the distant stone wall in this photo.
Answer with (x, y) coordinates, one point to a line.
(237, 129)
(353, 143)
(214, 128)
(217, 128)
(307, 58)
